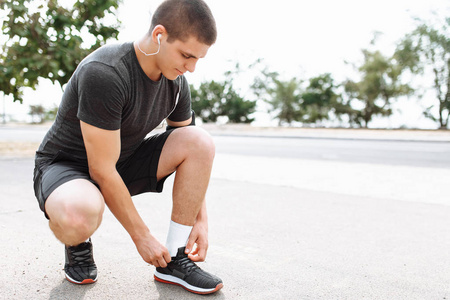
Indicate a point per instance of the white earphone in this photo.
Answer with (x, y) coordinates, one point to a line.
(159, 46)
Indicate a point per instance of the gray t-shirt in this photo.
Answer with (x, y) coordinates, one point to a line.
(110, 90)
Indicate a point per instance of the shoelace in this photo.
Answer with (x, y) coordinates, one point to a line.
(81, 257)
(187, 264)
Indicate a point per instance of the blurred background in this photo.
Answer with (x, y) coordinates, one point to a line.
(358, 213)
(346, 64)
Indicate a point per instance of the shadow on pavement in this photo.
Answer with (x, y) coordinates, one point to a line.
(66, 290)
(169, 291)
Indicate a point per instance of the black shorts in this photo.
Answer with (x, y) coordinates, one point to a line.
(138, 171)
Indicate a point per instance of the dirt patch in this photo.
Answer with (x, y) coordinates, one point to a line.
(18, 149)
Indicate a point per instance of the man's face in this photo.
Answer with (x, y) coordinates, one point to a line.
(178, 57)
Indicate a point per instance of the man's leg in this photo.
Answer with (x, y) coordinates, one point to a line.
(75, 210)
(190, 152)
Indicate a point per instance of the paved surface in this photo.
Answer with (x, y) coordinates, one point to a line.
(280, 228)
(35, 133)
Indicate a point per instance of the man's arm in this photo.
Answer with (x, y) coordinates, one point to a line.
(103, 151)
(172, 124)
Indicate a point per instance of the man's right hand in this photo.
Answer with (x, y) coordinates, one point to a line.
(152, 251)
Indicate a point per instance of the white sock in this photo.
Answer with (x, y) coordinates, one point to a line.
(177, 237)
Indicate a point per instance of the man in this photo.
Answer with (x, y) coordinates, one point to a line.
(96, 151)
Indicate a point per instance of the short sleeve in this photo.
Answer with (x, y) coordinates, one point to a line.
(182, 111)
(101, 96)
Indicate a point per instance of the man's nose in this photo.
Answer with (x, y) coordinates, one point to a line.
(190, 66)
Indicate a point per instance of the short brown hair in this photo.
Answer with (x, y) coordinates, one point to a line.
(185, 18)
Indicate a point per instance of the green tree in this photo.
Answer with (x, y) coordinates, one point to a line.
(47, 40)
(214, 99)
(284, 97)
(319, 99)
(428, 49)
(37, 113)
(206, 100)
(236, 108)
(50, 114)
(380, 84)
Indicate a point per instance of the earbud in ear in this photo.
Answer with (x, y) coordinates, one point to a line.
(159, 47)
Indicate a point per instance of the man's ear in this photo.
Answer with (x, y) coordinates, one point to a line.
(160, 31)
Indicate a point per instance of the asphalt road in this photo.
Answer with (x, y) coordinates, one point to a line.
(23, 133)
(391, 152)
(356, 149)
(281, 227)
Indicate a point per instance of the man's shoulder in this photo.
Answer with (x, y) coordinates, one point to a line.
(110, 55)
(105, 64)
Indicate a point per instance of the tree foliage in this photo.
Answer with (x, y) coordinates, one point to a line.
(206, 100)
(319, 99)
(37, 113)
(48, 40)
(378, 87)
(429, 48)
(236, 108)
(214, 99)
(293, 103)
(283, 96)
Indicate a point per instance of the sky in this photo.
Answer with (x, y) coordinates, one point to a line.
(295, 38)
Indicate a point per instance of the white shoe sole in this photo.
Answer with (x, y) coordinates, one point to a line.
(86, 281)
(177, 281)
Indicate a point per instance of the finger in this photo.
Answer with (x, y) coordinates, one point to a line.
(167, 257)
(195, 250)
(162, 263)
(194, 258)
(202, 254)
(198, 256)
(189, 246)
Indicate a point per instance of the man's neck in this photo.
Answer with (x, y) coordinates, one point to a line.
(148, 63)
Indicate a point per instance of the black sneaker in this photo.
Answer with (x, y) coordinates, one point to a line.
(80, 267)
(184, 272)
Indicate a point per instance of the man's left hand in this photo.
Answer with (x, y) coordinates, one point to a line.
(199, 238)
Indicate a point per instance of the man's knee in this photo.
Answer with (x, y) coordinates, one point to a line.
(75, 208)
(83, 220)
(199, 142)
(187, 144)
